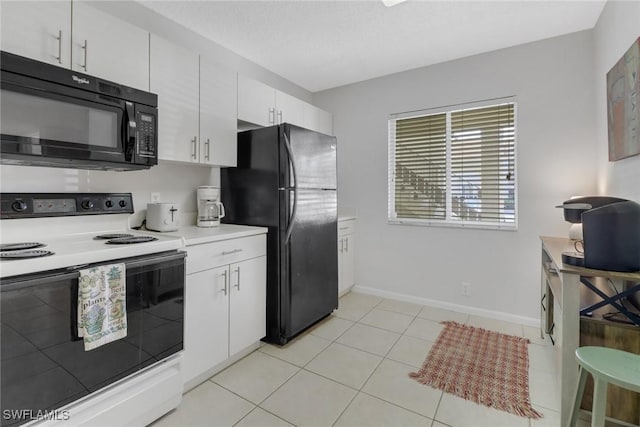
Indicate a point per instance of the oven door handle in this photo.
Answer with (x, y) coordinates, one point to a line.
(38, 281)
(154, 260)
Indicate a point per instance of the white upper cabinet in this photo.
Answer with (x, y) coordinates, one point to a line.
(289, 109)
(218, 110)
(318, 120)
(102, 45)
(197, 106)
(39, 30)
(174, 78)
(262, 105)
(107, 47)
(256, 102)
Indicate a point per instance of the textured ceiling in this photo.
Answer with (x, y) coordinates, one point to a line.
(323, 44)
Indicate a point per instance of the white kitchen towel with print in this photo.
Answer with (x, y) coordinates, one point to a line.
(102, 311)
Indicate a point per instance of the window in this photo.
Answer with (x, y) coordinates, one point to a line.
(454, 166)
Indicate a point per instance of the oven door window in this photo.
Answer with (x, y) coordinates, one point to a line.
(44, 364)
(35, 320)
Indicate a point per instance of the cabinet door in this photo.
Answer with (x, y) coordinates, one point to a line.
(341, 284)
(248, 303)
(348, 261)
(206, 340)
(289, 109)
(256, 102)
(175, 79)
(318, 119)
(108, 47)
(218, 114)
(39, 30)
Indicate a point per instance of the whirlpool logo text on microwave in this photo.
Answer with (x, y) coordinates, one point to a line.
(80, 80)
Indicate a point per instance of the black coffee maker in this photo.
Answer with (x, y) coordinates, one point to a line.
(611, 233)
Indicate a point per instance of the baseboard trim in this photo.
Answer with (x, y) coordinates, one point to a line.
(498, 315)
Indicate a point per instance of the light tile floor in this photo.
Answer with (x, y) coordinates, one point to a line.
(351, 370)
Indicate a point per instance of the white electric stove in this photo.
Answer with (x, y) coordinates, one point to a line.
(41, 232)
(47, 239)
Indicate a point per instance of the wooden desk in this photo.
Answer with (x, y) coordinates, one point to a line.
(560, 308)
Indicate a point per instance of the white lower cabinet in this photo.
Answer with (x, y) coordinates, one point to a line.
(206, 322)
(225, 303)
(346, 255)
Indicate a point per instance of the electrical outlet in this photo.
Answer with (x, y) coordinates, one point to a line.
(155, 197)
(466, 289)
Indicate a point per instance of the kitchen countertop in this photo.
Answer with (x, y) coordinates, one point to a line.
(346, 217)
(197, 235)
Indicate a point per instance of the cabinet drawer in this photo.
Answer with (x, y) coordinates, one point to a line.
(211, 255)
(347, 226)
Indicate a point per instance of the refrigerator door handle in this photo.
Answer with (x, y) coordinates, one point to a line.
(292, 218)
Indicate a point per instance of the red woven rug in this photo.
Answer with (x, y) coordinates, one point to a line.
(483, 366)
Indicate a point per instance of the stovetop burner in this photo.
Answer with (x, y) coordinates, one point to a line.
(25, 254)
(20, 246)
(131, 240)
(110, 236)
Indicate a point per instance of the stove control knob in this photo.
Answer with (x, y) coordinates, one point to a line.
(19, 206)
(122, 203)
(86, 204)
(108, 204)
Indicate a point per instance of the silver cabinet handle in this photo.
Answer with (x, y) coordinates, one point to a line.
(346, 244)
(193, 146)
(59, 38)
(208, 145)
(341, 245)
(272, 116)
(225, 283)
(344, 228)
(237, 285)
(235, 251)
(280, 117)
(84, 47)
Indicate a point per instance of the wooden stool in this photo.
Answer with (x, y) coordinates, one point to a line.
(606, 365)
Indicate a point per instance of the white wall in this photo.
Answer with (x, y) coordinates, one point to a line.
(175, 183)
(553, 83)
(617, 28)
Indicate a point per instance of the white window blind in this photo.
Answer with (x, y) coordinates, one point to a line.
(454, 167)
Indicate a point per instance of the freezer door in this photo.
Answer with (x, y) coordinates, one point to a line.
(310, 260)
(313, 155)
(249, 191)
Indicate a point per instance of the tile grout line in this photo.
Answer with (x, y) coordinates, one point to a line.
(382, 358)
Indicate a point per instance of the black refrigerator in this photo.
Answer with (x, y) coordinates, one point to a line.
(286, 180)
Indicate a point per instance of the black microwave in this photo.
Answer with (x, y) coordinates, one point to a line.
(52, 116)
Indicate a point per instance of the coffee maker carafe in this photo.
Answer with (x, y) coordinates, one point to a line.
(210, 210)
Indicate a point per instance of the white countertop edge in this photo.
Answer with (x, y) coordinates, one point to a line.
(346, 218)
(194, 235)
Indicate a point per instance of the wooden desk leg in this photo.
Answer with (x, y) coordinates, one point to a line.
(569, 342)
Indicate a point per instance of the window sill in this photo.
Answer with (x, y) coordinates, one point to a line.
(454, 224)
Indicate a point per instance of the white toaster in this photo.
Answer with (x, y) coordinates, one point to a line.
(162, 217)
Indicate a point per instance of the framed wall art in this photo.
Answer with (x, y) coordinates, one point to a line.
(623, 105)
